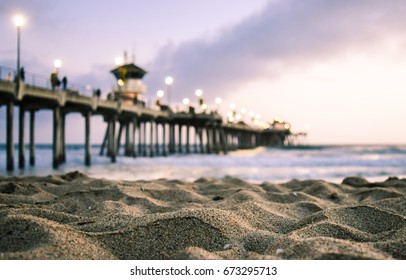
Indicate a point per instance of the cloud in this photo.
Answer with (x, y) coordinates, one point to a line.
(285, 34)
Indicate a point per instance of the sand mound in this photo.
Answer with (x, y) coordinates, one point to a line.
(73, 216)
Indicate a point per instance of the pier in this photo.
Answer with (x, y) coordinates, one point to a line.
(147, 132)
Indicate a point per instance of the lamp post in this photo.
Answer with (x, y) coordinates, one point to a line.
(199, 94)
(119, 61)
(19, 21)
(186, 102)
(57, 65)
(160, 94)
(218, 103)
(169, 82)
(55, 83)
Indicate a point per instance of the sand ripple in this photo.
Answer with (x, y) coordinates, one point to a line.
(73, 216)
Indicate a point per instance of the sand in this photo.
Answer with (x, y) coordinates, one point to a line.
(73, 216)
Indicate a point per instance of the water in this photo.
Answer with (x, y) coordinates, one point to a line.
(331, 163)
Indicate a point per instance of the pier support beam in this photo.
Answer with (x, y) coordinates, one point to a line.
(56, 151)
(209, 140)
(223, 140)
(144, 152)
(151, 138)
(134, 148)
(216, 146)
(111, 151)
(200, 132)
(171, 138)
(32, 137)
(87, 138)
(21, 136)
(63, 142)
(157, 150)
(120, 133)
(188, 138)
(9, 140)
(164, 152)
(139, 139)
(180, 139)
(106, 136)
(128, 140)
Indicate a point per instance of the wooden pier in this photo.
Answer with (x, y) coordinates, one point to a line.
(166, 129)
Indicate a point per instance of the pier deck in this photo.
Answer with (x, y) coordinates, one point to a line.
(165, 127)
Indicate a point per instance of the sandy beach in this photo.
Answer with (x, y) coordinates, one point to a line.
(72, 216)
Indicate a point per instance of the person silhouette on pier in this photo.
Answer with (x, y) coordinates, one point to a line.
(22, 74)
(55, 82)
(97, 93)
(64, 83)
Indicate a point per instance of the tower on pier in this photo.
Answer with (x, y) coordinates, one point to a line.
(130, 86)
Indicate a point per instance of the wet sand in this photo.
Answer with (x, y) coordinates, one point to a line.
(73, 216)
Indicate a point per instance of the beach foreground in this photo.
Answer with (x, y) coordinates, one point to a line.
(73, 216)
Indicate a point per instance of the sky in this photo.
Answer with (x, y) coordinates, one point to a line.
(335, 69)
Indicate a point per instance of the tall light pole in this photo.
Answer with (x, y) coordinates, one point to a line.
(218, 101)
(19, 21)
(57, 65)
(169, 82)
(160, 94)
(186, 102)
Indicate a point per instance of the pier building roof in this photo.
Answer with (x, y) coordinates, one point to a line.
(129, 71)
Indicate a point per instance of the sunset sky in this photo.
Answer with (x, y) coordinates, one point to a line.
(335, 68)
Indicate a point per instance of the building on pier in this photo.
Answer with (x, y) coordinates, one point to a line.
(130, 87)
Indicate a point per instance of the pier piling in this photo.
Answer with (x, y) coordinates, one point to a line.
(32, 137)
(87, 138)
(151, 140)
(21, 136)
(56, 137)
(9, 136)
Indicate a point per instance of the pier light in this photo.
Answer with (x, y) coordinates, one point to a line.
(186, 101)
(199, 92)
(243, 110)
(232, 106)
(160, 93)
(57, 64)
(218, 103)
(204, 106)
(19, 20)
(257, 116)
(231, 119)
(119, 60)
(251, 114)
(229, 114)
(120, 82)
(287, 126)
(88, 90)
(168, 82)
(238, 117)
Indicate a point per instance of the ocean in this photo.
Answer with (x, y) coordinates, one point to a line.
(328, 162)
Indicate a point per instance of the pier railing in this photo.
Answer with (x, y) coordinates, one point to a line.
(42, 81)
